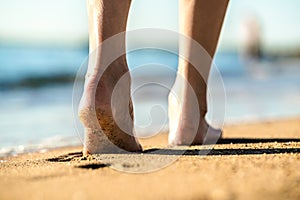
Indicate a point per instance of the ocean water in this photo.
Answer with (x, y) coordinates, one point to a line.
(36, 85)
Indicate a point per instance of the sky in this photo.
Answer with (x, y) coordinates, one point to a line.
(65, 21)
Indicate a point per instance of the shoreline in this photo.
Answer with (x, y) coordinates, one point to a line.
(253, 161)
(38, 148)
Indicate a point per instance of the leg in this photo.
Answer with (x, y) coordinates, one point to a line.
(106, 18)
(201, 20)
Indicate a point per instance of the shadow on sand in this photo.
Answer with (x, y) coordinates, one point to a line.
(223, 148)
(188, 151)
(236, 151)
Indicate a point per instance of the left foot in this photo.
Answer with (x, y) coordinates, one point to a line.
(98, 115)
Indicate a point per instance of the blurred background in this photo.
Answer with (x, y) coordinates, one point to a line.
(44, 43)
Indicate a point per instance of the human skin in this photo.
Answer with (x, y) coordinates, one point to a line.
(199, 19)
(102, 134)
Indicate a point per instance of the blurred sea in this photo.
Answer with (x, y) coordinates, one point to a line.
(36, 93)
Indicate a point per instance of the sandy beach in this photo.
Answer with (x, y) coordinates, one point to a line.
(253, 161)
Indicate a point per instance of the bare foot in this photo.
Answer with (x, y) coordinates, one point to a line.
(102, 133)
(187, 124)
(187, 110)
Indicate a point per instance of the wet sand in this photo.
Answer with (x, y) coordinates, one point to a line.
(253, 161)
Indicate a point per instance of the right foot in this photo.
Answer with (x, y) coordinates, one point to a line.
(102, 134)
(187, 110)
(184, 130)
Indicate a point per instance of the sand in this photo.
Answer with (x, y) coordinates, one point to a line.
(253, 161)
